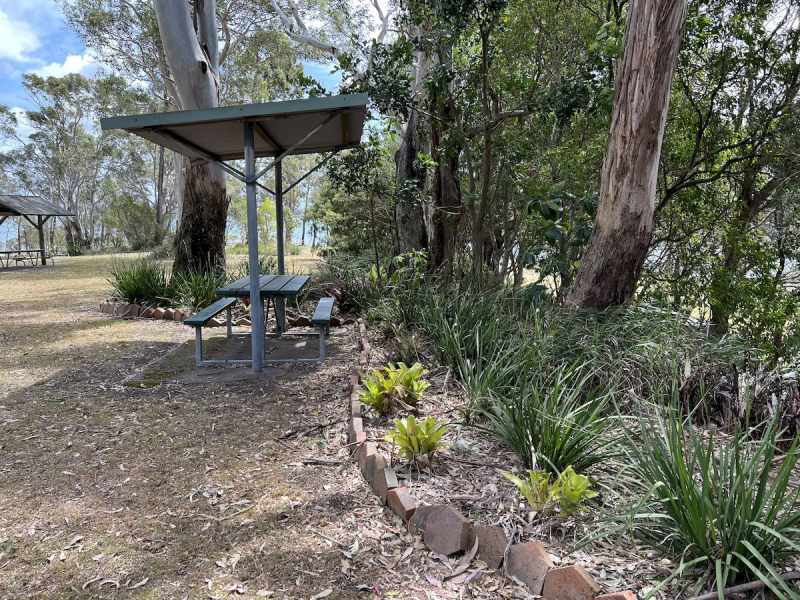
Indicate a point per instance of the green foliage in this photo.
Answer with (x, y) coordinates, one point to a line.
(197, 289)
(568, 492)
(141, 281)
(722, 506)
(400, 383)
(266, 264)
(416, 439)
(555, 420)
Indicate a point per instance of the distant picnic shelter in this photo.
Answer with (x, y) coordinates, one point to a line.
(36, 211)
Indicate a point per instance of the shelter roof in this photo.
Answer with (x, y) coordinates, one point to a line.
(217, 133)
(16, 206)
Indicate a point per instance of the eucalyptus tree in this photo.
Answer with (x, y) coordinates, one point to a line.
(612, 262)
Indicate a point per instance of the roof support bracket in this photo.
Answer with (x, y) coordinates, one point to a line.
(294, 146)
(318, 166)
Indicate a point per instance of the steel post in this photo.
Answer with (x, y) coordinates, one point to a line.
(280, 303)
(256, 306)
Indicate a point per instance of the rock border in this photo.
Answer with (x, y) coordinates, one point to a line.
(446, 531)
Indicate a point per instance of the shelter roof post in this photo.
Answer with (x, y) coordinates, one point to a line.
(256, 305)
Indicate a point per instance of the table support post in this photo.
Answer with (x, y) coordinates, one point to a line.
(256, 305)
(280, 303)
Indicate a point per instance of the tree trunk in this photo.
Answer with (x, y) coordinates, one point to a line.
(618, 246)
(409, 223)
(193, 60)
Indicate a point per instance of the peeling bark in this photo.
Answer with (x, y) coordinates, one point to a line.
(620, 239)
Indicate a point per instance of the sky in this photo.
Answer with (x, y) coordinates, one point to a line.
(35, 39)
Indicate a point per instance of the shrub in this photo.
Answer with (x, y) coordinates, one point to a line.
(415, 439)
(400, 384)
(568, 492)
(722, 507)
(197, 289)
(141, 281)
(266, 264)
(555, 421)
(293, 249)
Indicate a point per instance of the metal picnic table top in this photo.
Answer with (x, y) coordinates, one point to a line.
(270, 285)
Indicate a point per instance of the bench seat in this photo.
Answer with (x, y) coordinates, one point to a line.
(209, 312)
(200, 318)
(322, 316)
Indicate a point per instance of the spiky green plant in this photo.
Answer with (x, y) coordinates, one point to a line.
(723, 507)
(568, 492)
(415, 439)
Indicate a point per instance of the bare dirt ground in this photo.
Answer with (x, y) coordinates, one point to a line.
(115, 486)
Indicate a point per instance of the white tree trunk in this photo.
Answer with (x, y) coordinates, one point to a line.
(193, 60)
(620, 239)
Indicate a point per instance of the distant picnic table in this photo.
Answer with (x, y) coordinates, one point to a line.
(31, 255)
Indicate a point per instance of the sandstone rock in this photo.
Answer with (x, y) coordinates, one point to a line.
(569, 583)
(354, 382)
(348, 322)
(419, 521)
(529, 562)
(385, 480)
(216, 322)
(179, 316)
(169, 314)
(146, 312)
(301, 322)
(626, 595)
(355, 409)
(336, 321)
(242, 322)
(372, 464)
(491, 544)
(447, 531)
(401, 502)
(158, 313)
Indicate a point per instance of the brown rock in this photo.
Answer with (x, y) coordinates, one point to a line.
(363, 359)
(119, 309)
(348, 321)
(179, 316)
(354, 382)
(146, 312)
(158, 313)
(529, 562)
(569, 583)
(169, 314)
(401, 502)
(242, 322)
(216, 322)
(355, 409)
(361, 438)
(364, 450)
(356, 424)
(372, 464)
(336, 322)
(107, 308)
(385, 480)
(420, 519)
(301, 322)
(626, 595)
(491, 544)
(447, 531)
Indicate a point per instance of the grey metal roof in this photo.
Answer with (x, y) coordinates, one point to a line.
(17, 206)
(218, 132)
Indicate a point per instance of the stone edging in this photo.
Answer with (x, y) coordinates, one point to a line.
(446, 531)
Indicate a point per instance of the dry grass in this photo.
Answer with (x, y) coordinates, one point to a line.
(189, 487)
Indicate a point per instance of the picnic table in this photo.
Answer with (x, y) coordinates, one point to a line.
(31, 255)
(274, 289)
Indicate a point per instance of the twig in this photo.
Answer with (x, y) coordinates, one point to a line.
(475, 463)
(322, 461)
(747, 587)
(331, 540)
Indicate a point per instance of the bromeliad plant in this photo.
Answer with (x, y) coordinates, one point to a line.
(417, 440)
(568, 492)
(386, 388)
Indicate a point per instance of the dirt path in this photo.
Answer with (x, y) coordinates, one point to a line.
(171, 490)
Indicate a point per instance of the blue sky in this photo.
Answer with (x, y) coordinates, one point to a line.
(35, 38)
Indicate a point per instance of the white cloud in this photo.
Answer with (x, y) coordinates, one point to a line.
(17, 38)
(74, 63)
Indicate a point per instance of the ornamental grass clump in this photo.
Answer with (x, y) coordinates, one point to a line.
(141, 281)
(393, 385)
(555, 421)
(722, 506)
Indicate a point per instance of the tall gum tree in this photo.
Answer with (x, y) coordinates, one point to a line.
(193, 59)
(620, 239)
